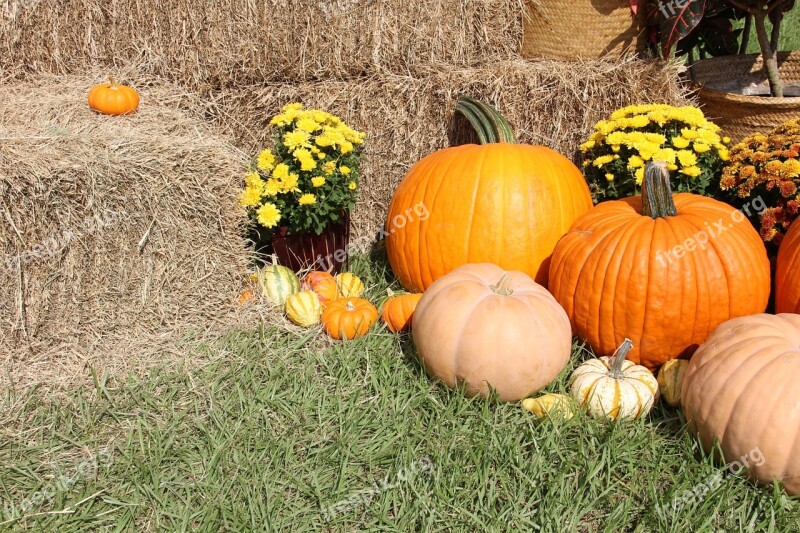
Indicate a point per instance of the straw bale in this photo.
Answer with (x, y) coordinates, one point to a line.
(226, 43)
(120, 235)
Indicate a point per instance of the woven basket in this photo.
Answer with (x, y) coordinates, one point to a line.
(720, 81)
(581, 29)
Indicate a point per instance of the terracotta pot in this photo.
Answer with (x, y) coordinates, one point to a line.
(328, 251)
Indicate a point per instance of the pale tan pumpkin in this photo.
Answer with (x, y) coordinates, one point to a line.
(613, 387)
(488, 328)
(670, 378)
(741, 388)
(556, 406)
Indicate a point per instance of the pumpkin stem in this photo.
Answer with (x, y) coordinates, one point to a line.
(502, 288)
(620, 355)
(657, 199)
(350, 306)
(111, 81)
(488, 123)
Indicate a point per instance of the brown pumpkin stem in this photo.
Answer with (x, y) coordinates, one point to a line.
(503, 286)
(657, 201)
(619, 359)
(111, 81)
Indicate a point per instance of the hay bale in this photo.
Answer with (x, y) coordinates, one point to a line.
(547, 102)
(119, 234)
(224, 43)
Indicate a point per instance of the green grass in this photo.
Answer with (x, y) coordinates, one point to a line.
(279, 425)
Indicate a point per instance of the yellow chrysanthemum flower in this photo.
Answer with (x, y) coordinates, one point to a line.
(346, 147)
(266, 161)
(307, 161)
(690, 134)
(588, 145)
(701, 147)
(253, 181)
(691, 171)
(603, 160)
(289, 183)
(680, 142)
(639, 121)
(308, 125)
(280, 172)
(352, 186)
(321, 155)
(726, 140)
(272, 187)
(250, 197)
(268, 215)
(791, 168)
(329, 167)
(639, 175)
(687, 158)
(296, 139)
(319, 181)
(307, 199)
(610, 177)
(708, 136)
(667, 155)
(724, 154)
(635, 162)
(345, 170)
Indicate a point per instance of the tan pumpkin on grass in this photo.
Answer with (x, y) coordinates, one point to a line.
(488, 328)
(741, 389)
(613, 387)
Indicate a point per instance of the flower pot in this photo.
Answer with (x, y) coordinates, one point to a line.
(327, 251)
(581, 29)
(731, 89)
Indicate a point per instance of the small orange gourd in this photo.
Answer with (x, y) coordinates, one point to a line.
(113, 99)
(349, 318)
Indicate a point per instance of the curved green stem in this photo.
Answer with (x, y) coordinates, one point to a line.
(619, 359)
(657, 199)
(489, 124)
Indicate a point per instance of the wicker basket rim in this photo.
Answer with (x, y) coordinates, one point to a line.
(789, 102)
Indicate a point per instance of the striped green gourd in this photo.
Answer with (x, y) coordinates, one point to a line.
(278, 283)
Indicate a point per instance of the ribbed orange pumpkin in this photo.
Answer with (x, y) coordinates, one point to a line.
(740, 388)
(659, 269)
(497, 202)
(113, 99)
(349, 318)
(398, 311)
(787, 272)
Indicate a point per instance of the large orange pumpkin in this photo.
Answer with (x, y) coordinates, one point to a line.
(787, 272)
(741, 389)
(113, 99)
(497, 202)
(659, 269)
(485, 327)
